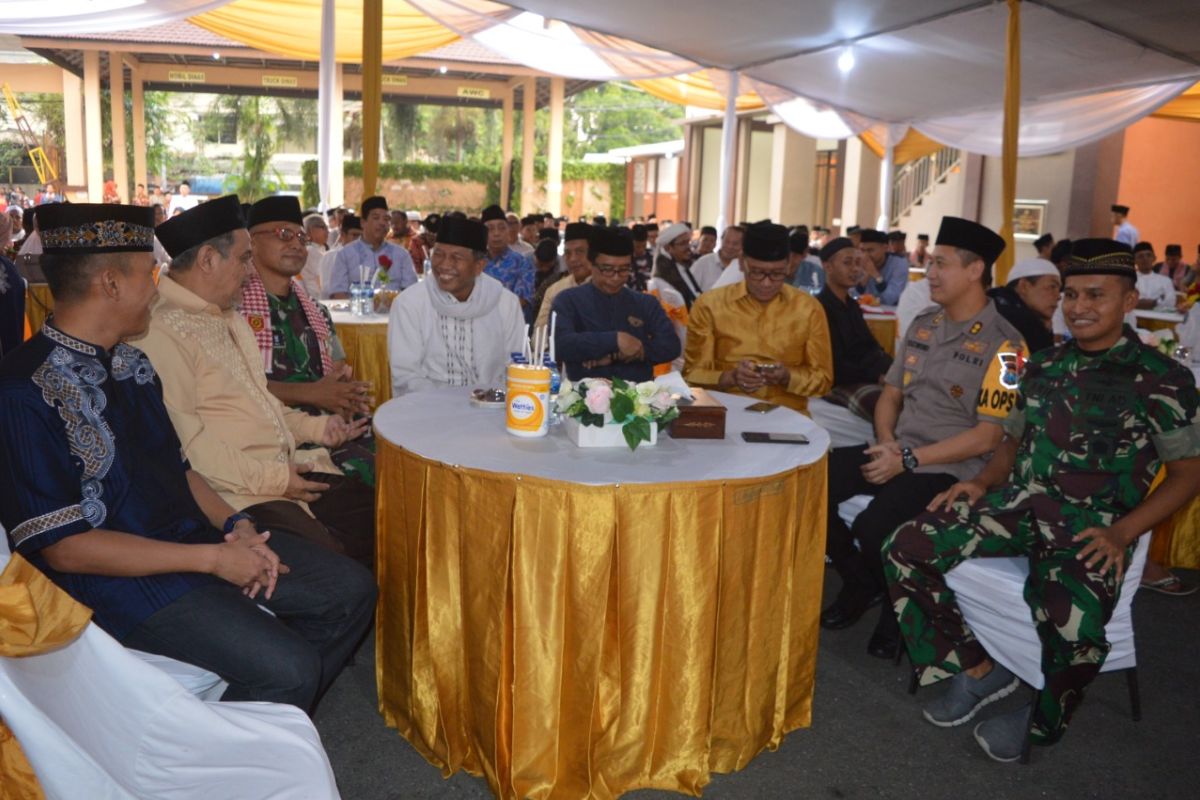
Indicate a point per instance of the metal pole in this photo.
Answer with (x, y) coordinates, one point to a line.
(326, 116)
(728, 153)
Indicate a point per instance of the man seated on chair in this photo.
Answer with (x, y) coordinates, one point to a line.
(371, 257)
(460, 326)
(1095, 420)
(761, 338)
(1029, 301)
(578, 269)
(938, 418)
(305, 364)
(607, 330)
(234, 431)
(97, 492)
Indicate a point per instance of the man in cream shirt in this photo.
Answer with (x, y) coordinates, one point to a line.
(458, 327)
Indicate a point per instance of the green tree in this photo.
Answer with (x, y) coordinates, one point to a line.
(402, 129)
(253, 177)
(618, 114)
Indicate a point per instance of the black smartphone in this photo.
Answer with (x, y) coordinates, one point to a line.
(774, 438)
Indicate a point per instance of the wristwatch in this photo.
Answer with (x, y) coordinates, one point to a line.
(234, 519)
(909, 459)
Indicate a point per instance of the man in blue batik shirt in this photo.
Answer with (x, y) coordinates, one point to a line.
(886, 274)
(515, 271)
(372, 257)
(95, 492)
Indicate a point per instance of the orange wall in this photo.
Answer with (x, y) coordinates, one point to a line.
(1160, 168)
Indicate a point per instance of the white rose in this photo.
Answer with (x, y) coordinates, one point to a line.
(647, 389)
(565, 401)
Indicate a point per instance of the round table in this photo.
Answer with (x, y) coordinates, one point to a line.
(881, 320)
(1156, 320)
(583, 622)
(365, 342)
(1176, 541)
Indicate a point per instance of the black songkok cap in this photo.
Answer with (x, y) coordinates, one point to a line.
(431, 222)
(370, 204)
(1142, 247)
(1173, 250)
(897, 236)
(197, 225)
(640, 234)
(968, 235)
(833, 248)
(766, 241)
(275, 209)
(493, 212)
(546, 250)
(868, 235)
(651, 226)
(1122, 210)
(531, 219)
(611, 241)
(1043, 240)
(798, 241)
(1100, 257)
(351, 222)
(577, 230)
(95, 228)
(548, 234)
(463, 233)
(922, 237)
(599, 221)
(853, 229)
(245, 211)
(708, 230)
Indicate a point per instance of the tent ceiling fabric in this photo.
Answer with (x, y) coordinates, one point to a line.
(97, 16)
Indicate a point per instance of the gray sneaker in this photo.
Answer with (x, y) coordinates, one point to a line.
(966, 695)
(1003, 737)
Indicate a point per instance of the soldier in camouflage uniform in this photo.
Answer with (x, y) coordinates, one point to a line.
(1096, 419)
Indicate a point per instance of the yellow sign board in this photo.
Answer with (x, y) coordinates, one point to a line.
(281, 81)
(473, 93)
(185, 76)
(395, 80)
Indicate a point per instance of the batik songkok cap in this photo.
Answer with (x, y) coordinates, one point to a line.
(1100, 257)
(95, 228)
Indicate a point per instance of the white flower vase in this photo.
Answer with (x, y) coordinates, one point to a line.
(610, 435)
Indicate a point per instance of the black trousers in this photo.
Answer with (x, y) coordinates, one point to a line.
(896, 502)
(345, 517)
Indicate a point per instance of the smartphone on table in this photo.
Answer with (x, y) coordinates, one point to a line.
(774, 438)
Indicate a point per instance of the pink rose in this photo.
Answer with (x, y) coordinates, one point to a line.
(661, 401)
(599, 398)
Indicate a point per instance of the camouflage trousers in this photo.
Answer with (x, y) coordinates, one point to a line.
(1069, 603)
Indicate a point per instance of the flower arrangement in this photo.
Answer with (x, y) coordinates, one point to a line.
(385, 266)
(1190, 297)
(1163, 341)
(634, 407)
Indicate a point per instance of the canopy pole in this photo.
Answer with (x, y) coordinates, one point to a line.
(325, 114)
(372, 93)
(728, 153)
(1012, 127)
(887, 175)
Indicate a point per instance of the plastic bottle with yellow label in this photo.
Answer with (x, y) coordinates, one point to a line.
(528, 407)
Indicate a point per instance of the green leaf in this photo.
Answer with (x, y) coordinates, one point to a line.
(636, 431)
(621, 408)
(619, 385)
(588, 418)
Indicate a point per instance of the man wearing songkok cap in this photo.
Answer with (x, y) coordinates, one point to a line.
(807, 274)
(304, 360)
(857, 357)
(1029, 301)
(1126, 233)
(372, 258)
(606, 330)
(898, 243)
(351, 232)
(460, 326)
(1044, 244)
(708, 269)
(576, 246)
(547, 264)
(514, 270)
(886, 273)
(643, 259)
(1172, 266)
(1067, 487)
(941, 413)
(97, 492)
(1154, 290)
(234, 431)
(761, 338)
(673, 262)
(920, 257)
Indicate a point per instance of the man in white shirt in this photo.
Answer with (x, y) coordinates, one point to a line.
(459, 327)
(184, 200)
(709, 268)
(1154, 290)
(1126, 233)
(514, 235)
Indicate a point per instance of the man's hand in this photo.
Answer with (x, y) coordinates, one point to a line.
(970, 491)
(885, 463)
(239, 561)
(598, 362)
(299, 487)
(1105, 547)
(244, 529)
(780, 376)
(338, 393)
(744, 376)
(629, 347)
(338, 431)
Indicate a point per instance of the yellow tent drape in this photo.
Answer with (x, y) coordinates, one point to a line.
(1012, 124)
(914, 145)
(372, 92)
(696, 89)
(1185, 107)
(293, 28)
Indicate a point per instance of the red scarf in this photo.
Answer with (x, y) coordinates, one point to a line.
(257, 311)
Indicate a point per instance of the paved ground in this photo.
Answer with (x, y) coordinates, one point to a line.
(868, 740)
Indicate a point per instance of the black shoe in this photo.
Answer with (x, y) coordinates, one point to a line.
(884, 645)
(848, 608)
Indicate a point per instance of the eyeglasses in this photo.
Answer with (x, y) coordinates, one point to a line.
(758, 276)
(286, 235)
(622, 272)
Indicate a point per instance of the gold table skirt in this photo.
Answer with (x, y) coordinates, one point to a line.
(38, 305)
(367, 353)
(1176, 541)
(577, 641)
(884, 331)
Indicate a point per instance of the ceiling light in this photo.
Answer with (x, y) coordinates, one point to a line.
(216, 56)
(845, 61)
(443, 69)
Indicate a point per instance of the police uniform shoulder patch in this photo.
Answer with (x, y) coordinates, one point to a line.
(976, 328)
(974, 345)
(998, 393)
(924, 334)
(938, 317)
(256, 321)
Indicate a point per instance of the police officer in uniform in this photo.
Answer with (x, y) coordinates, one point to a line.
(1096, 419)
(940, 414)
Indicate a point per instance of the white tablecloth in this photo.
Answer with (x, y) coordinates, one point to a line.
(342, 316)
(1174, 317)
(443, 426)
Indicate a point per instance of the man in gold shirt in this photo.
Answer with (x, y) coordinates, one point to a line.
(233, 430)
(761, 337)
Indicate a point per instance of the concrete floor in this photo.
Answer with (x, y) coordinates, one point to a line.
(868, 739)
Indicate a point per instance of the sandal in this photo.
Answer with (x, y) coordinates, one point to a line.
(1171, 585)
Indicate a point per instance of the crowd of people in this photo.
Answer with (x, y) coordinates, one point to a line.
(184, 447)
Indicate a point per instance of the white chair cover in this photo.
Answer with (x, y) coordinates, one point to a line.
(845, 429)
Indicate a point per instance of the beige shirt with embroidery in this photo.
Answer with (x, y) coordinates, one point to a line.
(234, 431)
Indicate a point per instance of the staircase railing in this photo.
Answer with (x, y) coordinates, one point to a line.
(916, 179)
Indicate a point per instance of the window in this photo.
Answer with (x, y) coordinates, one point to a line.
(221, 129)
